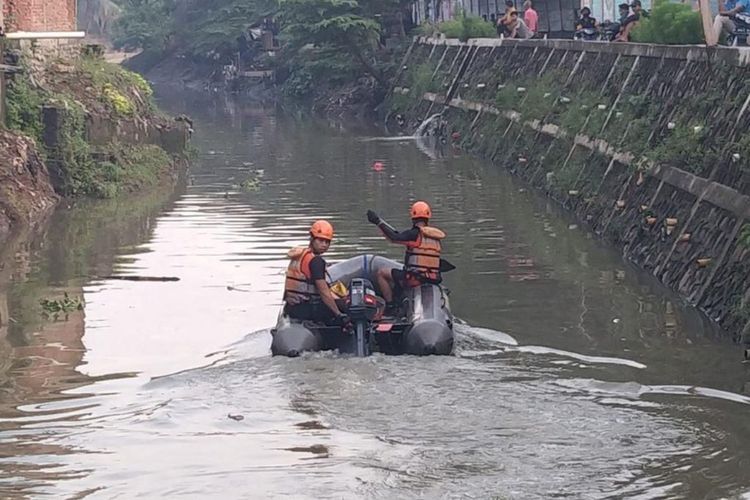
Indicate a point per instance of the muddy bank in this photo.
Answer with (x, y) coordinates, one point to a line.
(26, 192)
(645, 144)
(79, 126)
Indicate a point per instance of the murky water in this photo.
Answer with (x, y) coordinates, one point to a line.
(574, 375)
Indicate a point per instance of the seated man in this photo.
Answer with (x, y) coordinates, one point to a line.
(423, 248)
(517, 27)
(723, 23)
(586, 21)
(306, 291)
(505, 20)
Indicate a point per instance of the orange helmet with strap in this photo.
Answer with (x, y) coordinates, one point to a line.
(322, 229)
(421, 210)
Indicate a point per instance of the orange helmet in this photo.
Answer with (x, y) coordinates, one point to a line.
(421, 210)
(322, 229)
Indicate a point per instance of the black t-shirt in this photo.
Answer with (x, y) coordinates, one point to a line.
(317, 268)
(587, 22)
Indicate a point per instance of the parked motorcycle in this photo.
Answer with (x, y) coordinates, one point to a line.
(586, 34)
(609, 31)
(741, 31)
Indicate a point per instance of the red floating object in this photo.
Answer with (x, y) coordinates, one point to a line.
(378, 166)
(456, 136)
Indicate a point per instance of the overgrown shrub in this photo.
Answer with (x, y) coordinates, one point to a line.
(24, 108)
(465, 27)
(670, 23)
(115, 83)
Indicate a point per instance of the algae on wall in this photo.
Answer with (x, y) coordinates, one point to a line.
(648, 146)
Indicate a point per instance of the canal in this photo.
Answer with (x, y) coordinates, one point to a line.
(574, 375)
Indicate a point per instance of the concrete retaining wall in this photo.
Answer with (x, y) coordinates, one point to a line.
(648, 145)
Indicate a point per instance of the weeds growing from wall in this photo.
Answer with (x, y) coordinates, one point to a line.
(24, 108)
(81, 170)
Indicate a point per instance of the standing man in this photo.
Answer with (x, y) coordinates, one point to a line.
(530, 17)
(306, 291)
(423, 248)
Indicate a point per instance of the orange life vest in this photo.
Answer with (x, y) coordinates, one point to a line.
(423, 255)
(298, 278)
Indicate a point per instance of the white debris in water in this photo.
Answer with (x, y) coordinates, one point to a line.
(618, 114)
(533, 349)
(547, 94)
(565, 100)
(603, 107)
(521, 90)
(671, 125)
(697, 129)
(481, 85)
(616, 320)
(500, 86)
(736, 157)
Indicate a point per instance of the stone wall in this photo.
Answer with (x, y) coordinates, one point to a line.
(648, 145)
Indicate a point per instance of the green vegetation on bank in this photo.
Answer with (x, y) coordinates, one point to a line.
(670, 24)
(464, 27)
(92, 86)
(325, 45)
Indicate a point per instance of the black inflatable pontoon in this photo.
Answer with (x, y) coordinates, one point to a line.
(425, 325)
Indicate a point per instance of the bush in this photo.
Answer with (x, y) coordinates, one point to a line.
(24, 103)
(117, 100)
(465, 27)
(671, 24)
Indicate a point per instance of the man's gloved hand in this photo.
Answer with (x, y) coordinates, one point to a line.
(372, 217)
(342, 320)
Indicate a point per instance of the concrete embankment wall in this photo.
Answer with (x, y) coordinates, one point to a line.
(648, 145)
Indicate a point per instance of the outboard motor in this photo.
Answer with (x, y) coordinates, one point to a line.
(364, 306)
(741, 30)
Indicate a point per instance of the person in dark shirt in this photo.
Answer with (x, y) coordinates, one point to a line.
(306, 291)
(423, 248)
(586, 21)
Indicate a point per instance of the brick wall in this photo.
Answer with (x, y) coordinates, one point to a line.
(40, 15)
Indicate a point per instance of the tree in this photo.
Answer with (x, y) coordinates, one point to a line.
(670, 23)
(144, 24)
(336, 24)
